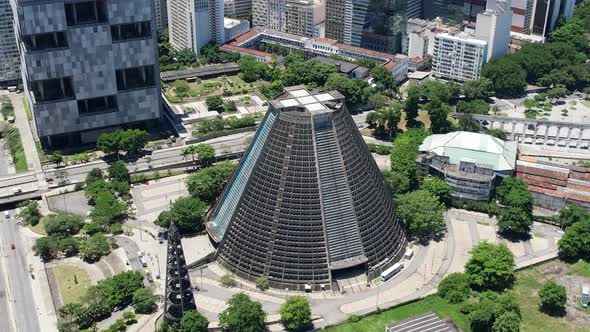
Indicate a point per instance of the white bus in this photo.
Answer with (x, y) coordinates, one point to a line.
(393, 270)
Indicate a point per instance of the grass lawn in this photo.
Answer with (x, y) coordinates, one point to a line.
(422, 117)
(27, 109)
(528, 283)
(216, 86)
(39, 228)
(70, 290)
(20, 161)
(377, 322)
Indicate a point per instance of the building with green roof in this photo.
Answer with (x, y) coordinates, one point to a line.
(471, 163)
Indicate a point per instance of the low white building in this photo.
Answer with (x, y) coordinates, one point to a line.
(233, 28)
(399, 67)
(458, 57)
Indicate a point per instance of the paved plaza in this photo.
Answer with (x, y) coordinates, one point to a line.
(419, 277)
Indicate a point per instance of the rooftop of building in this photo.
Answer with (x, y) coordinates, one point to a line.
(231, 22)
(391, 64)
(483, 149)
(343, 66)
(462, 36)
(311, 101)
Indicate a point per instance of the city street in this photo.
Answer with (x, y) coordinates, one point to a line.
(17, 306)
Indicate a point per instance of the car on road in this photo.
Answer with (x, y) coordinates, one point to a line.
(12, 246)
(7, 214)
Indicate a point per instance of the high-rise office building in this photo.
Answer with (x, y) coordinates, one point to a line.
(240, 9)
(493, 25)
(306, 18)
(539, 17)
(195, 23)
(448, 10)
(9, 57)
(339, 20)
(88, 66)
(371, 24)
(307, 202)
(161, 13)
(299, 17)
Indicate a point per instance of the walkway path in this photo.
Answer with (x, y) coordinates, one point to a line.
(22, 123)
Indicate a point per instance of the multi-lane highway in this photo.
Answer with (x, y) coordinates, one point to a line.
(17, 305)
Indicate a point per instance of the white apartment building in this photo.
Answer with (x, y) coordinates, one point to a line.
(493, 25)
(306, 18)
(458, 57)
(299, 17)
(161, 14)
(195, 23)
(420, 36)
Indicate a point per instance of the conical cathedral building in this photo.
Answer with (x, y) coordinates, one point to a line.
(307, 201)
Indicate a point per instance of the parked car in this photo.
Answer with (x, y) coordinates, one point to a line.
(12, 246)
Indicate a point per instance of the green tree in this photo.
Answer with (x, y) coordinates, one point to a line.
(571, 214)
(94, 188)
(46, 248)
(478, 89)
(556, 93)
(553, 298)
(29, 213)
(454, 288)
(108, 209)
(188, 213)
(133, 140)
(356, 91)
(491, 266)
(482, 318)
(262, 283)
(439, 114)
(119, 289)
(243, 314)
(438, 188)
(515, 221)
(383, 76)
(118, 172)
(193, 321)
(377, 101)
(398, 183)
(389, 117)
(94, 247)
(94, 175)
(186, 57)
(214, 103)
(208, 183)
(507, 322)
(476, 106)
(422, 214)
(205, 154)
(412, 105)
(468, 123)
(436, 92)
(251, 70)
(129, 317)
(109, 143)
(63, 224)
(575, 243)
(508, 77)
(295, 313)
(498, 133)
(404, 152)
(144, 301)
(57, 157)
(308, 72)
(507, 185)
